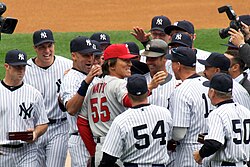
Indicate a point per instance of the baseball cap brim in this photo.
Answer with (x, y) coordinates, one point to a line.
(19, 64)
(105, 42)
(230, 45)
(157, 28)
(152, 54)
(178, 42)
(86, 51)
(206, 83)
(96, 53)
(127, 56)
(44, 41)
(169, 29)
(204, 62)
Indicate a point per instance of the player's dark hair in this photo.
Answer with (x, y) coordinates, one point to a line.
(107, 64)
(236, 59)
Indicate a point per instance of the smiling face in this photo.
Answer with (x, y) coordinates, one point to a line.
(82, 62)
(121, 69)
(45, 54)
(156, 64)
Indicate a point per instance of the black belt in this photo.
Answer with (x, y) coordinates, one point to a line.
(53, 121)
(12, 146)
(127, 164)
(75, 133)
(230, 163)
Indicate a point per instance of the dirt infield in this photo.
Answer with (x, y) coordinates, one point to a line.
(90, 15)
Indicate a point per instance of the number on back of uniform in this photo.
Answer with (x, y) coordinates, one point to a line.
(158, 132)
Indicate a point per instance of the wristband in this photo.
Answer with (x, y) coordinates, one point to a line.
(83, 88)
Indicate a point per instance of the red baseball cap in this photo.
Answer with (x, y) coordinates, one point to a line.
(117, 51)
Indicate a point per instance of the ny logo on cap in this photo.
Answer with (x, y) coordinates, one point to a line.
(176, 23)
(159, 21)
(88, 42)
(103, 37)
(94, 46)
(43, 35)
(178, 37)
(20, 56)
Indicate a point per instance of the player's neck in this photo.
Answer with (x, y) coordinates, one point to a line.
(12, 82)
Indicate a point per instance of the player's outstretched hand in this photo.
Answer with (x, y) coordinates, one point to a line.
(34, 136)
(197, 157)
(158, 78)
(96, 70)
(140, 34)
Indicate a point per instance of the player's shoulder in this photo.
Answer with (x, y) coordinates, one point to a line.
(31, 89)
(64, 60)
(158, 109)
(202, 54)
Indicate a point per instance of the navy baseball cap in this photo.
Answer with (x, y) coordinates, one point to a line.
(101, 37)
(97, 46)
(245, 19)
(160, 23)
(16, 57)
(82, 45)
(155, 48)
(137, 85)
(42, 36)
(183, 25)
(181, 39)
(185, 55)
(133, 48)
(216, 60)
(221, 82)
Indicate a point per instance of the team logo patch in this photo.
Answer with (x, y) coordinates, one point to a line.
(178, 37)
(176, 23)
(159, 21)
(43, 35)
(20, 56)
(25, 112)
(147, 47)
(88, 42)
(103, 37)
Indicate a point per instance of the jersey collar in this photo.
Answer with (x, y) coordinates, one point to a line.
(224, 102)
(141, 105)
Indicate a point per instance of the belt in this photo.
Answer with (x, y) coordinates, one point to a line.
(53, 121)
(12, 146)
(127, 164)
(224, 163)
(75, 133)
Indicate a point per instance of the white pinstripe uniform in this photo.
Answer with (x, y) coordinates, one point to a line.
(241, 95)
(53, 144)
(140, 135)
(229, 124)
(20, 109)
(189, 105)
(70, 84)
(160, 95)
(101, 105)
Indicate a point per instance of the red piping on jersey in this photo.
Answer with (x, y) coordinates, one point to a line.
(86, 135)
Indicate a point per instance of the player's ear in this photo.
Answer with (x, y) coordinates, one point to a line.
(73, 55)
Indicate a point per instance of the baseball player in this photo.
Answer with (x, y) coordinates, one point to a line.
(187, 27)
(227, 142)
(155, 53)
(139, 135)
(45, 74)
(217, 62)
(107, 98)
(22, 110)
(189, 106)
(73, 91)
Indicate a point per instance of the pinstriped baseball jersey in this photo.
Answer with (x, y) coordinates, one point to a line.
(230, 124)
(70, 84)
(20, 109)
(241, 95)
(48, 82)
(139, 135)
(103, 103)
(189, 105)
(161, 94)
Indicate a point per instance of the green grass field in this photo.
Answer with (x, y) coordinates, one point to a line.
(207, 39)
